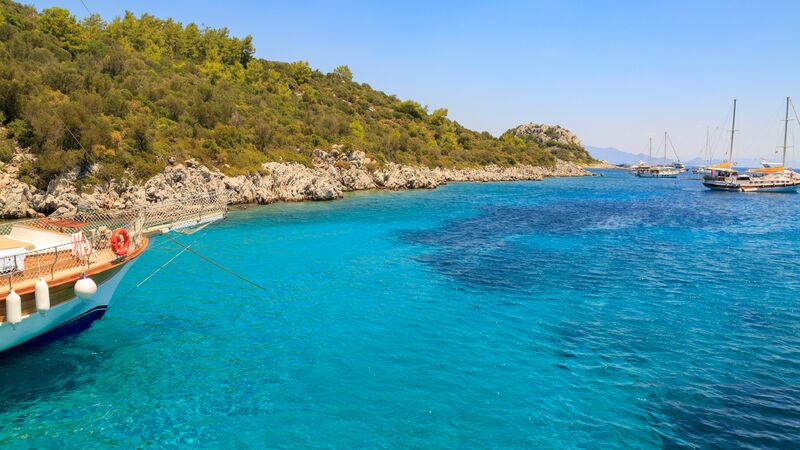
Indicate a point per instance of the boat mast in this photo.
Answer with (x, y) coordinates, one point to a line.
(705, 156)
(650, 152)
(665, 148)
(785, 132)
(733, 130)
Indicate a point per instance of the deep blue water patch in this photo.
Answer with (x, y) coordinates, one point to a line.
(609, 312)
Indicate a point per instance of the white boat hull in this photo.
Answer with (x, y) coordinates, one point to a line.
(657, 175)
(64, 315)
(771, 189)
(736, 187)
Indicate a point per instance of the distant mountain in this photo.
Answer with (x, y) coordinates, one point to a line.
(740, 162)
(617, 156)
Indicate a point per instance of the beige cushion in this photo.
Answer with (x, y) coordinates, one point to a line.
(7, 243)
(41, 239)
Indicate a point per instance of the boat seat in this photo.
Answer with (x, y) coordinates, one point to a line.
(8, 243)
(40, 238)
(12, 254)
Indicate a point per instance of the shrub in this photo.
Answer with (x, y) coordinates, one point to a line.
(137, 89)
(343, 72)
(6, 150)
(412, 109)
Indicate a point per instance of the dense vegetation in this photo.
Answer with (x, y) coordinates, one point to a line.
(126, 95)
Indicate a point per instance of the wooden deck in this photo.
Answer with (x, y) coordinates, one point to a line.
(61, 270)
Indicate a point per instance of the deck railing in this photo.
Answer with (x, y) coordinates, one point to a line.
(85, 238)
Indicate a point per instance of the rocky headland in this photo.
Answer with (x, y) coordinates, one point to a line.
(542, 133)
(334, 172)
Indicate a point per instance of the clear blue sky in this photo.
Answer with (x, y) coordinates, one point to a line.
(613, 72)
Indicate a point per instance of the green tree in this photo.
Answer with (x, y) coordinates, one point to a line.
(128, 93)
(438, 116)
(59, 23)
(357, 130)
(343, 72)
(300, 71)
(412, 108)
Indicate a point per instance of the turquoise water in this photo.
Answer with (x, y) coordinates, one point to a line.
(595, 312)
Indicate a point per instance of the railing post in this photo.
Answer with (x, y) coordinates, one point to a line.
(53, 266)
(91, 250)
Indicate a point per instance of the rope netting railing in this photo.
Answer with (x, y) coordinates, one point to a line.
(187, 211)
(56, 246)
(64, 249)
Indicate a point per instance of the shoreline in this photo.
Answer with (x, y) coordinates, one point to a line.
(334, 173)
(604, 166)
(372, 191)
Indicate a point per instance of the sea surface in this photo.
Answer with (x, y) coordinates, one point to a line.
(605, 312)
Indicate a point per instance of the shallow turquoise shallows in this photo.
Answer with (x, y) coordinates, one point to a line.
(594, 312)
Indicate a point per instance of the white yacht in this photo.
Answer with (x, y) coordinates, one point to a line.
(660, 171)
(771, 177)
(704, 170)
(642, 166)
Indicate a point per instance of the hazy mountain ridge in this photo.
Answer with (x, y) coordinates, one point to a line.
(617, 156)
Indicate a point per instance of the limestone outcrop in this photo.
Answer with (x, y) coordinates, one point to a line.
(334, 172)
(542, 133)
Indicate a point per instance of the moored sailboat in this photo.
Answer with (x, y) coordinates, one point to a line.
(703, 170)
(660, 171)
(769, 178)
(58, 274)
(642, 166)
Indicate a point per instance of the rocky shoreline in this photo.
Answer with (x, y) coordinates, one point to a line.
(604, 165)
(334, 172)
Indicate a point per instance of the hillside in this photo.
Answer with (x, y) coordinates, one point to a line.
(120, 99)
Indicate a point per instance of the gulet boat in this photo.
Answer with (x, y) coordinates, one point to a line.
(58, 274)
(661, 171)
(769, 178)
(704, 170)
(638, 167)
(642, 166)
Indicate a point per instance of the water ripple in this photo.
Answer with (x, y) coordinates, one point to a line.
(610, 312)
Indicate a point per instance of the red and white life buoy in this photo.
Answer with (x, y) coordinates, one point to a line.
(120, 241)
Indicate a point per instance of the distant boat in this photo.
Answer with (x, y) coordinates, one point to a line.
(659, 172)
(771, 177)
(642, 166)
(703, 170)
(638, 167)
(662, 171)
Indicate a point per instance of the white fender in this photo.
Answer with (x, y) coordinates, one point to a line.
(13, 308)
(85, 288)
(42, 296)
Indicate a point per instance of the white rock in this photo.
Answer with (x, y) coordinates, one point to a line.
(333, 173)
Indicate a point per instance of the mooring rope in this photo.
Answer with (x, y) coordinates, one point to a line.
(158, 269)
(184, 248)
(210, 261)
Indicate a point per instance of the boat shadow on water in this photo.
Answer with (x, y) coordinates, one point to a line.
(50, 365)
